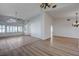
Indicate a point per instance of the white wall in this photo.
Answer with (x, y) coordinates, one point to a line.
(36, 26)
(10, 34)
(40, 26)
(48, 21)
(62, 27)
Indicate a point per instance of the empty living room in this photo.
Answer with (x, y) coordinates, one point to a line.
(39, 29)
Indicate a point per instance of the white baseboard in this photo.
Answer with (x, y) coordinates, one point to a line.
(67, 36)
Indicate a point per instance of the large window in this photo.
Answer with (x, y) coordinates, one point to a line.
(10, 29)
(2, 28)
(19, 28)
(14, 28)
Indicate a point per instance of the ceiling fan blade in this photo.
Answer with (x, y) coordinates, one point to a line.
(54, 6)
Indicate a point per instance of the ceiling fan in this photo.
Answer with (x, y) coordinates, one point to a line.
(14, 19)
(49, 5)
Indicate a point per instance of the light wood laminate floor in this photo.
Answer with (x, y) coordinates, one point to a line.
(30, 46)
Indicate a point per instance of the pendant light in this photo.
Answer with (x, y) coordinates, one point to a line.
(76, 23)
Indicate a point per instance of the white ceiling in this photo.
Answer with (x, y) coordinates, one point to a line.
(28, 10)
(64, 10)
(24, 10)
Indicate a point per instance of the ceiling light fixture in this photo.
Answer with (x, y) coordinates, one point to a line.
(76, 23)
(49, 5)
(12, 19)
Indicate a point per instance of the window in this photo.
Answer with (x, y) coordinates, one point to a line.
(8, 30)
(19, 28)
(11, 29)
(2, 28)
(14, 28)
